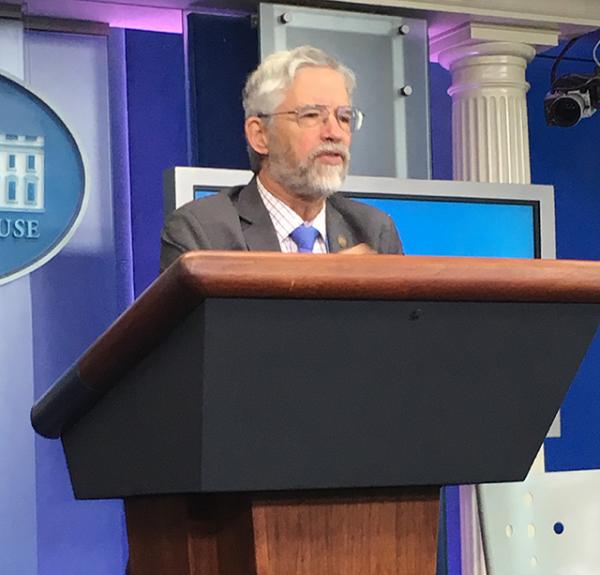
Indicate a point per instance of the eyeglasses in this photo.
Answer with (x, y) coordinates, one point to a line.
(349, 118)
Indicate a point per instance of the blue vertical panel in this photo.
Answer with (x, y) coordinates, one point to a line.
(567, 158)
(73, 301)
(222, 51)
(157, 137)
(453, 552)
(121, 185)
(441, 122)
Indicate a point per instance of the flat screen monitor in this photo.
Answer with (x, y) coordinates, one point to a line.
(451, 219)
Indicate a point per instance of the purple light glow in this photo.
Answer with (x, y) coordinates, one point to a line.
(116, 15)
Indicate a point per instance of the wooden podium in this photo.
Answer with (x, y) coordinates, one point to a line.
(278, 414)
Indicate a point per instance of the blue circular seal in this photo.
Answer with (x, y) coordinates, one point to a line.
(42, 181)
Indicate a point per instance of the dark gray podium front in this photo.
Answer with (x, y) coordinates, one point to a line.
(329, 390)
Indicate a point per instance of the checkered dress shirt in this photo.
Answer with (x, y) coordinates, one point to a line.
(285, 221)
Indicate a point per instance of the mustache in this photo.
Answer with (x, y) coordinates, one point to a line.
(331, 148)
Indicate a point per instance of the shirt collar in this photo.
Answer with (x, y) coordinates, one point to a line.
(285, 225)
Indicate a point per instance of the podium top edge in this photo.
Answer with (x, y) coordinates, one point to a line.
(388, 277)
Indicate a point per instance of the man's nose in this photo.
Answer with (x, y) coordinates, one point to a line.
(331, 129)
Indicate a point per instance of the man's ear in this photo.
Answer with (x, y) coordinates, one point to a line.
(256, 135)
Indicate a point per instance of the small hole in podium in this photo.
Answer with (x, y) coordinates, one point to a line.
(415, 314)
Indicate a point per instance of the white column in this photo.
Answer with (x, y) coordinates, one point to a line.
(490, 143)
(489, 111)
(489, 107)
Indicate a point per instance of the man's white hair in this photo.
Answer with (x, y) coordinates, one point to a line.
(266, 86)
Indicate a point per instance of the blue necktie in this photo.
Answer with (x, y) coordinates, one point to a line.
(304, 237)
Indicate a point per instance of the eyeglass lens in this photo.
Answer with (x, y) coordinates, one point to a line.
(348, 118)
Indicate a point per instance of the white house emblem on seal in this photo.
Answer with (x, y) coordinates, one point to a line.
(21, 173)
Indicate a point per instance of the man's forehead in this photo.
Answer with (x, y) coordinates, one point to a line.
(318, 85)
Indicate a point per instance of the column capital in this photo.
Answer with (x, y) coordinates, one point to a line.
(508, 53)
(479, 38)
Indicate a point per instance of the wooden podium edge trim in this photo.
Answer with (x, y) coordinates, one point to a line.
(390, 277)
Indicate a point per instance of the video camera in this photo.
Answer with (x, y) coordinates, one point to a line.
(572, 96)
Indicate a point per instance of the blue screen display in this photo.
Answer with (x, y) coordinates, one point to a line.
(203, 192)
(461, 228)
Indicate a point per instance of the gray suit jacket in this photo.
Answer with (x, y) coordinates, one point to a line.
(236, 219)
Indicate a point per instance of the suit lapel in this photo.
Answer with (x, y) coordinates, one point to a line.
(339, 234)
(259, 232)
(257, 227)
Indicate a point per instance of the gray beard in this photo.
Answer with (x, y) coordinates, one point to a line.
(309, 180)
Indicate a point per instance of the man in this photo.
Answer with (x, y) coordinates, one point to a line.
(299, 125)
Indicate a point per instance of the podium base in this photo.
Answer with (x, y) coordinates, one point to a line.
(353, 532)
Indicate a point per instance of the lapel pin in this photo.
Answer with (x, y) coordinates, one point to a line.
(342, 241)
